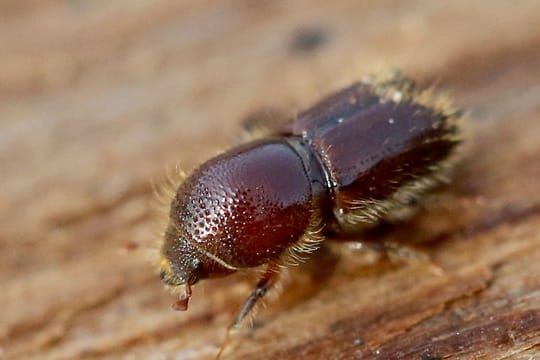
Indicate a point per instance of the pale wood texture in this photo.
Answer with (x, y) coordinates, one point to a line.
(97, 96)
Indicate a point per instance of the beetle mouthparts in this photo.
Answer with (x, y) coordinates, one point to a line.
(185, 295)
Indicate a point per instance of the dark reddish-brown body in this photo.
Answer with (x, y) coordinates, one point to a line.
(360, 155)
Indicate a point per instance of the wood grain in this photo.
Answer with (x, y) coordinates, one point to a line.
(96, 97)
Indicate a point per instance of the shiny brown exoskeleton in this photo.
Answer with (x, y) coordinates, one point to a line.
(359, 156)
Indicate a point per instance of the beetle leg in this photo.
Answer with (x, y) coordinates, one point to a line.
(399, 252)
(263, 285)
(263, 122)
(260, 290)
(396, 252)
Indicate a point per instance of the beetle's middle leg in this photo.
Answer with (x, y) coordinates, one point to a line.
(393, 251)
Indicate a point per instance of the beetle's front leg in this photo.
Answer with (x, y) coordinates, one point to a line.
(265, 282)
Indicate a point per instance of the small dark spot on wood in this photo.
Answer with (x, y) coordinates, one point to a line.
(131, 246)
(430, 357)
(309, 39)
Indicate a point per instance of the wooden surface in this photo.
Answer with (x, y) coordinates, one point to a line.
(96, 97)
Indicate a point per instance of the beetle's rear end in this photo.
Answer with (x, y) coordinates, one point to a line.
(382, 143)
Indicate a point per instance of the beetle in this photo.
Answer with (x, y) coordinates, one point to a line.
(360, 156)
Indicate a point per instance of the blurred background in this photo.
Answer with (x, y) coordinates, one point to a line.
(97, 97)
